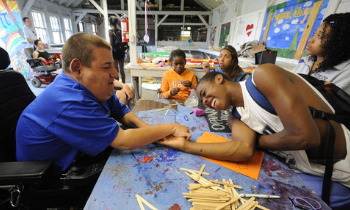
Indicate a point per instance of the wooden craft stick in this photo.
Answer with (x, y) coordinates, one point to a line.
(166, 112)
(226, 204)
(235, 194)
(200, 172)
(246, 203)
(146, 202)
(161, 109)
(193, 171)
(227, 184)
(259, 196)
(140, 203)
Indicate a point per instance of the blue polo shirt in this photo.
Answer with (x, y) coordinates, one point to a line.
(66, 119)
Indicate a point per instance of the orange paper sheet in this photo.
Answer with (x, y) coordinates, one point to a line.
(249, 168)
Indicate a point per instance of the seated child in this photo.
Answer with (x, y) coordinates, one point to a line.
(42, 54)
(177, 82)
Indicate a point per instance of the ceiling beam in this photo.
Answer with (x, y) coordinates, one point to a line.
(232, 10)
(76, 3)
(27, 7)
(81, 16)
(138, 5)
(143, 12)
(203, 4)
(122, 4)
(97, 6)
(69, 2)
(161, 21)
(202, 19)
(187, 24)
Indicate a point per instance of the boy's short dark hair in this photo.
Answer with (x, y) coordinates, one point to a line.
(210, 77)
(24, 19)
(175, 53)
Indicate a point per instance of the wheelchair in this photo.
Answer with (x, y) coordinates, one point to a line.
(31, 184)
(43, 73)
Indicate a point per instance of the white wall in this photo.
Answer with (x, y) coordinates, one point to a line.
(242, 8)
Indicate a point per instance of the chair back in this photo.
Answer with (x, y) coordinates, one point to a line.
(15, 96)
(29, 52)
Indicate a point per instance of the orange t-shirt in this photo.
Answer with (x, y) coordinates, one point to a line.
(171, 80)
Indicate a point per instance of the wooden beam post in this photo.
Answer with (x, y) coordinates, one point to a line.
(308, 27)
(268, 23)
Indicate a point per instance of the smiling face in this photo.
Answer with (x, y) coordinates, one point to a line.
(213, 93)
(225, 59)
(40, 45)
(178, 64)
(314, 47)
(100, 76)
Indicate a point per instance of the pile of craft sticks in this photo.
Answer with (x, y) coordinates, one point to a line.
(209, 195)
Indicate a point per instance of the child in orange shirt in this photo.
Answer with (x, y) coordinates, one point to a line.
(177, 82)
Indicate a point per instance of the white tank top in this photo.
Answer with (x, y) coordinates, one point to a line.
(263, 122)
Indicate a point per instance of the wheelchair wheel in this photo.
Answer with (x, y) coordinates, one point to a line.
(36, 82)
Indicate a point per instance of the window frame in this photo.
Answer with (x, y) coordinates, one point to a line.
(40, 27)
(68, 32)
(54, 30)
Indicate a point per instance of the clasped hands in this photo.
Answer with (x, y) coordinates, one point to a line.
(178, 139)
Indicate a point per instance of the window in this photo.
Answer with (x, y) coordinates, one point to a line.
(67, 27)
(40, 26)
(81, 27)
(94, 29)
(56, 32)
(185, 35)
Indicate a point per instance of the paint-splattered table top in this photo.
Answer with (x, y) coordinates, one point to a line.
(153, 172)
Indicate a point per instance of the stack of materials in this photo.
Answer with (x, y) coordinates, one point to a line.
(209, 195)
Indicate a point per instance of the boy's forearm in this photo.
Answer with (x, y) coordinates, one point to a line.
(231, 151)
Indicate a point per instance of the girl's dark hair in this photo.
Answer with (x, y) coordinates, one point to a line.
(210, 77)
(336, 44)
(113, 20)
(36, 43)
(234, 71)
(176, 53)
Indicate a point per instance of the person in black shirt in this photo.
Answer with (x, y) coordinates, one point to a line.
(40, 53)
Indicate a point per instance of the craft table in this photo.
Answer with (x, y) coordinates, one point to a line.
(153, 172)
(137, 72)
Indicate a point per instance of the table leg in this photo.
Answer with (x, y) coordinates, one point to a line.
(135, 83)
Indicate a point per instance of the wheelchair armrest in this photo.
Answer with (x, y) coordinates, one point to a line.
(32, 172)
(31, 60)
(34, 62)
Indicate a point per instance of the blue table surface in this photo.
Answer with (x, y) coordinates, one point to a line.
(161, 182)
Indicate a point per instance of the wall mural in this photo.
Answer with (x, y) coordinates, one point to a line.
(12, 36)
(289, 26)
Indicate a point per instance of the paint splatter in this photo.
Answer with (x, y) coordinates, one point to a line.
(175, 207)
(145, 159)
(166, 170)
(149, 192)
(271, 166)
(158, 187)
